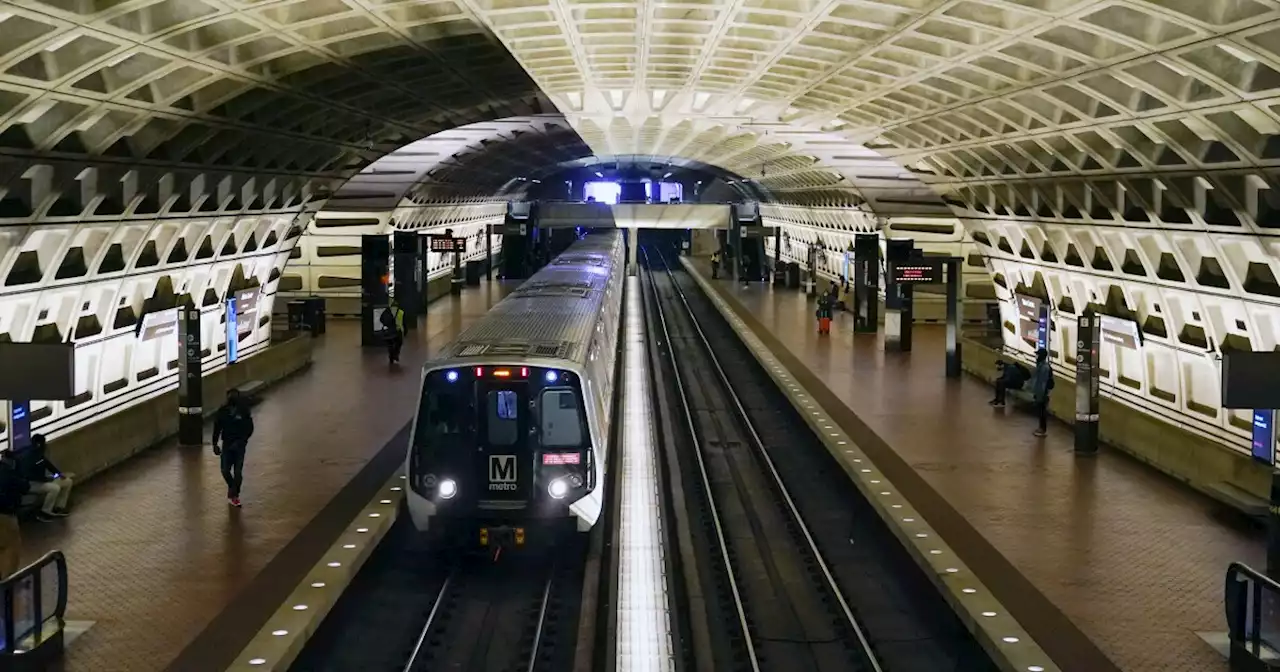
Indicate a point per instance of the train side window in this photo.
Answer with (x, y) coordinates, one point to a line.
(561, 421)
(504, 418)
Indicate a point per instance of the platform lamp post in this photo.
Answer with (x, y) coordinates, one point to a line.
(40, 371)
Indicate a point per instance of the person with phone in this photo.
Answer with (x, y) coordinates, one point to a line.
(46, 479)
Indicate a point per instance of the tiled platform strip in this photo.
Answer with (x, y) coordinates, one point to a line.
(284, 635)
(999, 633)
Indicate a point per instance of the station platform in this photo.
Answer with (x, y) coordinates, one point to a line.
(168, 576)
(1106, 562)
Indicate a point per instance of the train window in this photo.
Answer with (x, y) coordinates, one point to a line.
(504, 418)
(561, 422)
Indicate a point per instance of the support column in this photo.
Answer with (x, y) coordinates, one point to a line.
(190, 377)
(488, 251)
(778, 269)
(633, 244)
(896, 251)
(954, 311)
(375, 258)
(405, 246)
(735, 247)
(1088, 339)
(866, 283)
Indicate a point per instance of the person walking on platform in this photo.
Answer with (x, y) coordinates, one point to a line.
(392, 320)
(715, 264)
(824, 313)
(12, 487)
(1041, 385)
(234, 425)
(45, 478)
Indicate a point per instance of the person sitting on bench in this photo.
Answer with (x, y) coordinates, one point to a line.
(45, 479)
(1012, 377)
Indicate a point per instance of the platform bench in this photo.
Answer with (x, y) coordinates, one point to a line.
(1252, 505)
(250, 389)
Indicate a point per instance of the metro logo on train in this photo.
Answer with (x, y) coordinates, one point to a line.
(502, 472)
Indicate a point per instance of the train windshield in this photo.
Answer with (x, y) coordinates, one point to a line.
(442, 416)
(503, 421)
(561, 418)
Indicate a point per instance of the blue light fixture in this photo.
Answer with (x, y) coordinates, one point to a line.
(451, 376)
(552, 376)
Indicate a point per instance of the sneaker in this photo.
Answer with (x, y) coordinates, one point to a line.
(1039, 432)
(997, 404)
(59, 513)
(235, 501)
(45, 517)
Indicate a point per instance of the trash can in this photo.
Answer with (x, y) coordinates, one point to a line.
(473, 273)
(315, 314)
(297, 316)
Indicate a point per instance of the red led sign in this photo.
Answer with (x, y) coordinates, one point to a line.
(561, 458)
(448, 244)
(915, 273)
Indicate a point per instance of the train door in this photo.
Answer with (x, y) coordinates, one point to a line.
(506, 460)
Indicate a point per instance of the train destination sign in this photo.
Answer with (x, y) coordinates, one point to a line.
(448, 244)
(916, 273)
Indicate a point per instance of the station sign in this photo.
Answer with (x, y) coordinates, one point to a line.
(158, 324)
(917, 272)
(447, 244)
(20, 425)
(1121, 332)
(1033, 320)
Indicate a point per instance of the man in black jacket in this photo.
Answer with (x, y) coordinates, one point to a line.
(234, 426)
(45, 478)
(12, 487)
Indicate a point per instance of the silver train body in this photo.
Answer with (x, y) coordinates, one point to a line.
(513, 423)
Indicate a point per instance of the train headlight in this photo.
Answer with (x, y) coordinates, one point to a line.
(558, 488)
(448, 488)
(552, 376)
(451, 376)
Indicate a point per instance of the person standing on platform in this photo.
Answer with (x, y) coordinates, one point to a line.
(715, 264)
(1041, 385)
(392, 320)
(824, 313)
(45, 478)
(12, 487)
(234, 425)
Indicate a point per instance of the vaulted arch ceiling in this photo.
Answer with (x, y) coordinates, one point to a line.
(1103, 144)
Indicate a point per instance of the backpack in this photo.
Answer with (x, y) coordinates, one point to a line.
(388, 319)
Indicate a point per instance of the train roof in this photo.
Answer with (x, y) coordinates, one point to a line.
(551, 315)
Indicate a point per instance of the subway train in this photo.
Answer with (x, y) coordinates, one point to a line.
(512, 432)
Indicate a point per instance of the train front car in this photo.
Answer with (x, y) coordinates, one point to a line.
(512, 431)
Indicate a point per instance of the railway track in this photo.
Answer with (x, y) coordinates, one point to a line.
(800, 571)
(416, 608)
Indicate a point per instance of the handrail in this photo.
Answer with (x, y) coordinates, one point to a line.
(1252, 602)
(24, 619)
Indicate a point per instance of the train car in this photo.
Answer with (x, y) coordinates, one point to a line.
(512, 429)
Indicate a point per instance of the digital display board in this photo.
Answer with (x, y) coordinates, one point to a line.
(448, 244)
(1121, 332)
(233, 333)
(20, 422)
(916, 273)
(1264, 436)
